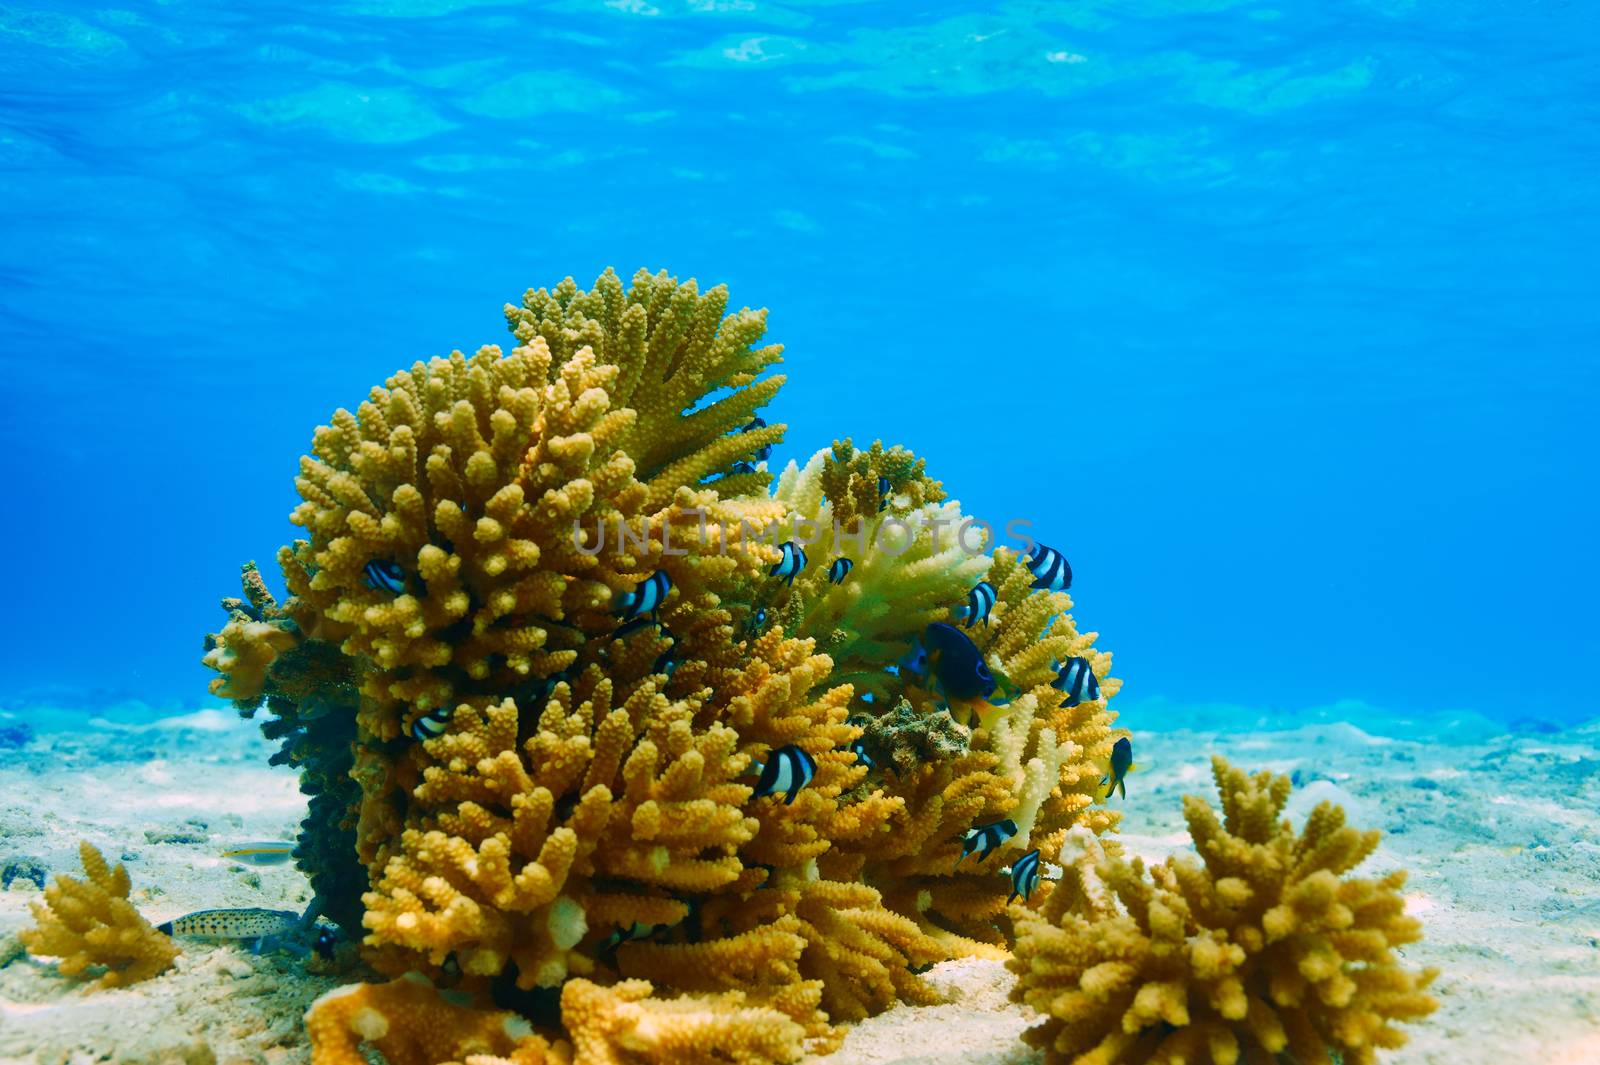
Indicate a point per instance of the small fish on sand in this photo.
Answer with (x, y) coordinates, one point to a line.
(985, 838)
(266, 852)
(1121, 762)
(787, 770)
(221, 926)
(1024, 875)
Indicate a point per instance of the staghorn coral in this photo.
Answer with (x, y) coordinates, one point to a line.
(672, 346)
(902, 582)
(656, 823)
(533, 794)
(1263, 949)
(1035, 761)
(575, 790)
(489, 481)
(622, 1024)
(912, 561)
(90, 923)
(267, 650)
(413, 1024)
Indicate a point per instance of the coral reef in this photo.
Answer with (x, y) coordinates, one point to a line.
(412, 1023)
(535, 648)
(490, 482)
(1034, 760)
(622, 1024)
(1264, 948)
(269, 654)
(91, 924)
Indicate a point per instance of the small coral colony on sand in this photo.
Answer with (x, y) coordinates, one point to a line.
(617, 750)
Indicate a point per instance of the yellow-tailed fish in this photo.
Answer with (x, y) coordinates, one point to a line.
(1121, 763)
(984, 714)
(264, 852)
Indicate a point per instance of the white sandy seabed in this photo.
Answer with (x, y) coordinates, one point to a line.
(1500, 833)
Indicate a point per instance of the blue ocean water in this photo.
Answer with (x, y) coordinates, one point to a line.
(1281, 319)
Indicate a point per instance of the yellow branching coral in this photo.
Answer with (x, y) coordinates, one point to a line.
(459, 521)
(282, 650)
(863, 483)
(243, 652)
(488, 483)
(493, 887)
(1035, 761)
(911, 563)
(623, 1025)
(538, 652)
(509, 842)
(413, 1024)
(795, 932)
(671, 346)
(91, 924)
(1263, 949)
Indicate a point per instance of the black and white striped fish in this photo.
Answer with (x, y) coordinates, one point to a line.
(431, 725)
(788, 769)
(669, 659)
(632, 932)
(792, 562)
(1024, 875)
(646, 598)
(1049, 568)
(634, 626)
(883, 494)
(223, 925)
(1077, 679)
(839, 570)
(985, 838)
(325, 941)
(384, 576)
(980, 602)
(765, 452)
(859, 749)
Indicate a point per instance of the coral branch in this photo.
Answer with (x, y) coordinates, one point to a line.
(1261, 950)
(90, 924)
